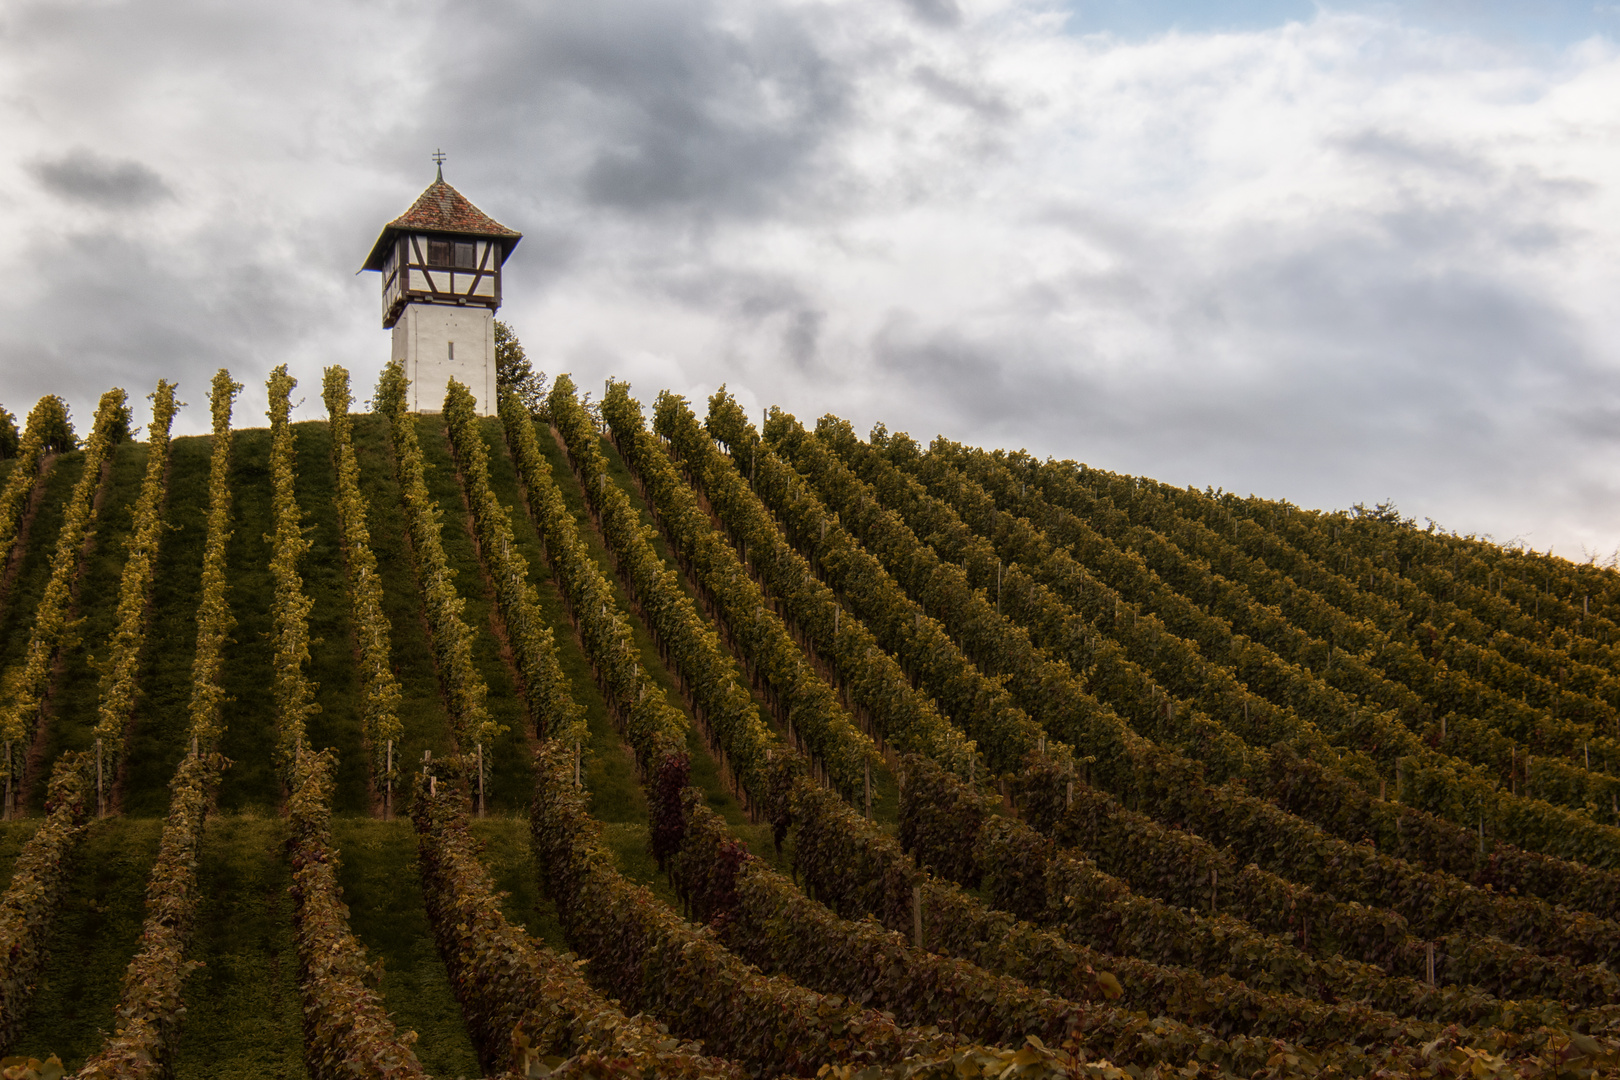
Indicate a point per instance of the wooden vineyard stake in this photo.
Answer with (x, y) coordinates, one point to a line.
(916, 916)
(1442, 728)
(480, 753)
(1429, 949)
(388, 784)
(577, 756)
(8, 781)
(101, 802)
(868, 791)
(1068, 797)
(1214, 883)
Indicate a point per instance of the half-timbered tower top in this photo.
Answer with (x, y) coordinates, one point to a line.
(443, 250)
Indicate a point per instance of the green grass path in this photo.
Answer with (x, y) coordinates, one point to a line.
(91, 942)
(511, 775)
(157, 733)
(244, 1016)
(251, 783)
(76, 691)
(333, 667)
(421, 709)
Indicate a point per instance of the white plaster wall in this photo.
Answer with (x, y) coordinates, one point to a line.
(422, 338)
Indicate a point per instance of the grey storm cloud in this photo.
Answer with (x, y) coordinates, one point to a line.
(83, 176)
(653, 107)
(1331, 261)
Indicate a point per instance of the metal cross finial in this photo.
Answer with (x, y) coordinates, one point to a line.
(438, 159)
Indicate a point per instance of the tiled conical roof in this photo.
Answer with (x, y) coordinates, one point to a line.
(441, 209)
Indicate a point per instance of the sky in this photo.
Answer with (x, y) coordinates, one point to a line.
(1332, 253)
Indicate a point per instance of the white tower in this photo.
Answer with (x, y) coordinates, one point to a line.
(441, 286)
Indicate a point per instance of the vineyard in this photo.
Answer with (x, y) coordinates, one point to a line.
(635, 738)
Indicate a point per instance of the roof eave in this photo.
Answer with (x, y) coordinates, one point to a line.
(379, 250)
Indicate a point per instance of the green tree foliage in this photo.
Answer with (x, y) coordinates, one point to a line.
(8, 434)
(514, 372)
(55, 425)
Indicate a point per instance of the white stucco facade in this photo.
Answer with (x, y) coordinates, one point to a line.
(440, 342)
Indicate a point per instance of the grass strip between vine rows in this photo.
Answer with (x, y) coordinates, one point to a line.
(379, 714)
(464, 687)
(39, 877)
(150, 1008)
(347, 1032)
(551, 708)
(121, 670)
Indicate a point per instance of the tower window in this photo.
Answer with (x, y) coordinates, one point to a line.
(466, 255)
(438, 252)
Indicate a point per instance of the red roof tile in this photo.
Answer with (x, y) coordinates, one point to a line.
(441, 209)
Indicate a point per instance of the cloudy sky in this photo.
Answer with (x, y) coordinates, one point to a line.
(1330, 253)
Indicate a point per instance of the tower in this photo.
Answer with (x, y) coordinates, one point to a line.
(441, 286)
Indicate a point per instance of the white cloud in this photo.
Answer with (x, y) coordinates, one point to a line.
(1332, 261)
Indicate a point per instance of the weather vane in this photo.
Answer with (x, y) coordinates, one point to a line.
(438, 159)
